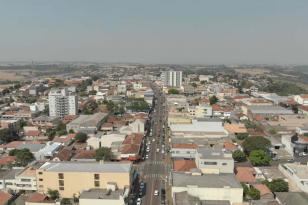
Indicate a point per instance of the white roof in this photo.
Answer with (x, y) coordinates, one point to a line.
(198, 126)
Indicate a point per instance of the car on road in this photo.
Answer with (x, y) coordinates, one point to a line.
(138, 201)
(147, 156)
(163, 151)
(153, 140)
(157, 150)
(156, 193)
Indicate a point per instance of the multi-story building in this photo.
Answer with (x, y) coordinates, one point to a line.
(62, 102)
(172, 78)
(71, 178)
(214, 161)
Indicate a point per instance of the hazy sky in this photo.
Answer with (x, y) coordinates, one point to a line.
(155, 31)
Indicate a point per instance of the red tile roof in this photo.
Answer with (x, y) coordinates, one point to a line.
(230, 146)
(4, 197)
(263, 189)
(183, 165)
(7, 160)
(85, 154)
(245, 174)
(36, 197)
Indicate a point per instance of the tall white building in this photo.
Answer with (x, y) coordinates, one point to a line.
(172, 78)
(62, 102)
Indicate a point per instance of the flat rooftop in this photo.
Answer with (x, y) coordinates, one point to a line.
(207, 153)
(199, 126)
(86, 167)
(89, 120)
(206, 180)
(101, 194)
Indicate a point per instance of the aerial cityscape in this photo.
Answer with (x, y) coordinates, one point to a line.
(153, 103)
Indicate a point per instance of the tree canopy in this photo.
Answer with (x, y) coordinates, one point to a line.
(103, 153)
(239, 156)
(81, 137)
(259, 158)
(277, 185)
(53, 194)
(23, 156)
(256, 143)
(213, 100)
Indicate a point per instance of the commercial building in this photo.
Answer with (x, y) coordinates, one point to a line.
(199, 129)
(62, 102)
(301, 99)
(213, 187)
(87, 123)
(71, 178)
(214, 161)
(172, 78)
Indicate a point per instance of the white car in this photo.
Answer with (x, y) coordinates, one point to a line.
(153, 140)
(138, 201)
(156, 192)
(157, 150)
(163, 151)
(147, 156)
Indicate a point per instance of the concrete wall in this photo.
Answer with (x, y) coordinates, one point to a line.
(234, 195)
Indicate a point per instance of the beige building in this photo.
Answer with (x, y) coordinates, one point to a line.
(71, 178)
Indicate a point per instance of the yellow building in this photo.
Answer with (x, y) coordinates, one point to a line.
(71, 178)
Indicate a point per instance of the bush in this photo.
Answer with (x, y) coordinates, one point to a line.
(23, 156)
(173, 91)
(53, 194)
(239, 156)
(81, 137)
(254, 193)
(213, 100)
(103, 153)
(256, 143)
(259, 158)
(277, 185)
(242, 136)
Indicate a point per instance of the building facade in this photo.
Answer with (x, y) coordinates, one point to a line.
(172, 78)
(71, 178)
(61, 103)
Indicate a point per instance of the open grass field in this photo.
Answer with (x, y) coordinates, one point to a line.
(253, 71)
(10, 75)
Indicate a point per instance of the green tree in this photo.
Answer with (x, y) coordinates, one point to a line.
(53, 194)
(23, 156)
(81, 137)
(103, 153)
(173, 91)
(256, 143)
(254, 193)
(259, 158)
(92, 92)
(277, 185)
(213, 100)
(65, 201)
(239, 156)
(71, 131)
(242, 136)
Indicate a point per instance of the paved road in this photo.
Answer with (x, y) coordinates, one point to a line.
(154, 170)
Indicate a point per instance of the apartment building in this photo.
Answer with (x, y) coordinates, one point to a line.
(71, 178)
(62, 102)
(172, 78)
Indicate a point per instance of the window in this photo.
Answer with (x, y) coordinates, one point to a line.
(41, 186)
(210, 163)
(40, 180)
(61, 188)
(61, 176)
(224, 164)
(61, 183)
(25, 180)
(96, 183)
(40, 173)
(96, 176)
